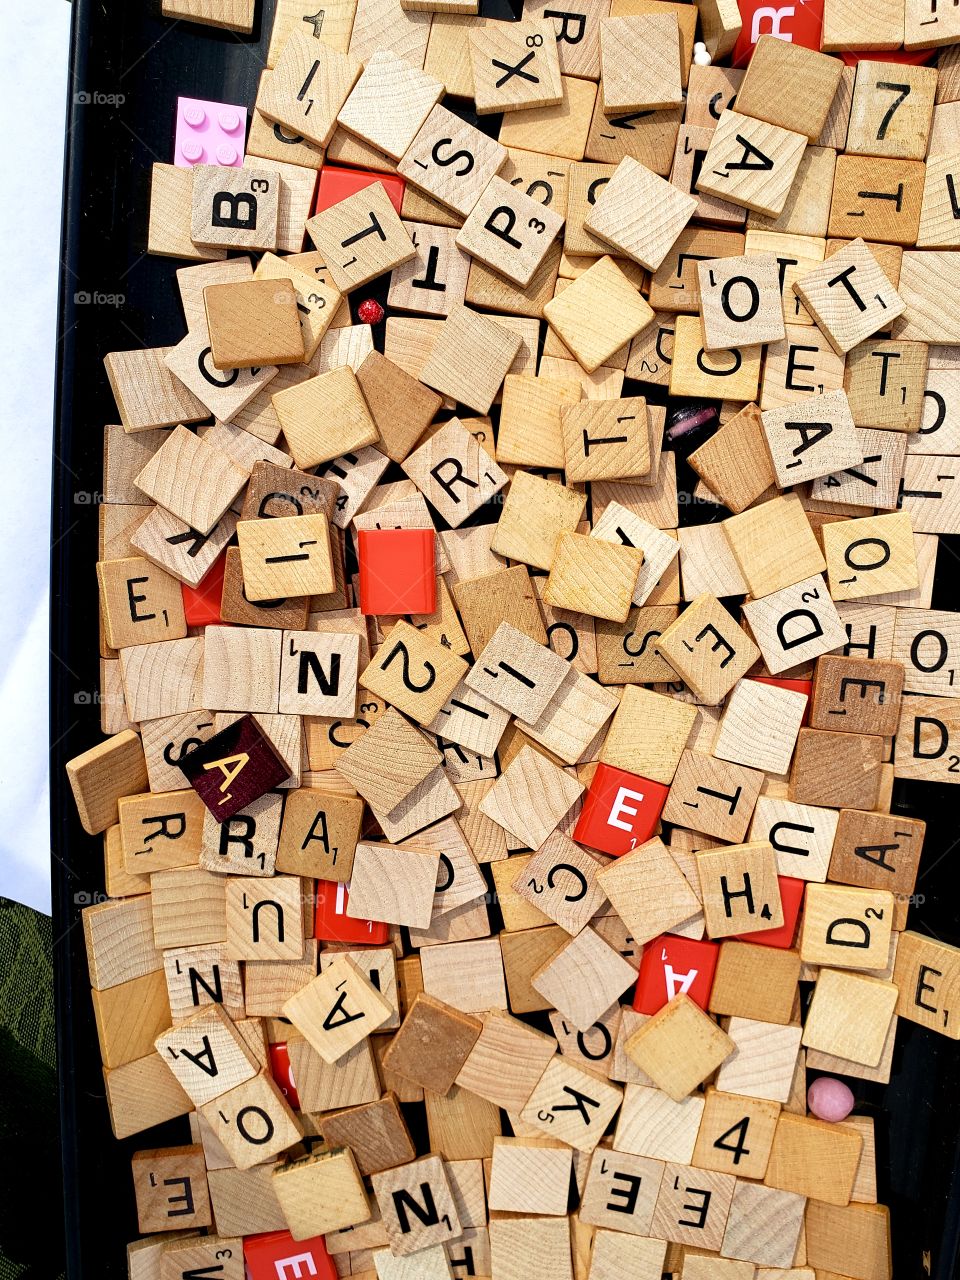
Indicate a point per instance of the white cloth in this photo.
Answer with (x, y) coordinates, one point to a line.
(33, 84)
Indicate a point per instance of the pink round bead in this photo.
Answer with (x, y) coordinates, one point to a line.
(229, 120)
(226, 154)
(194, 116)
(192, 150)
(830, 1099)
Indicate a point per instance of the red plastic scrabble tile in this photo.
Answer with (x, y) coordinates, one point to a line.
(233, 768)
(397, 571)
(277, 1256)
(336, 184)
(672, 966)
(282, 1073)
(791, 896)
(800, 22)
(201, 604)
(332, 924)
(620, 811)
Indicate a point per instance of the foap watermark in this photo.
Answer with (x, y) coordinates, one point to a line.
(86, 498)
(88, 698)
(97, 98)
(84, 298)
(89, 897)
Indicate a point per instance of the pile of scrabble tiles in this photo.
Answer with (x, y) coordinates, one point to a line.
(493, 863)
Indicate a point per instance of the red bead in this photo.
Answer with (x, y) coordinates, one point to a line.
(332, 924)
(201, 604)
(398, 572)
(277, 1256)
(797, 686)
(370, 311)
(791, 897)
(672, 966)
(233, 768)
(799, 22)
(282, 1074)
(336, 184)
(620, 811)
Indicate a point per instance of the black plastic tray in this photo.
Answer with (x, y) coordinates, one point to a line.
(128, 65)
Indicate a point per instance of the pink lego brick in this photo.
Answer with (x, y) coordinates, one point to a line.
(209, 133)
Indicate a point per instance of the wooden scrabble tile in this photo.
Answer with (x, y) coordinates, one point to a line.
(417, 1205)
(524, 952)
(253, 322)
(885, 383)
(555, 131)
(530, 1175)
(795, 255)
(389, 103)
(264, 918)
(774, 545)
(735, 462)
(764, 1062)
(802, 365)
(308, 86)
(320, 1192)
(740, 301)
(813, 79)
(337, 1010)
(625, 653)
(679, 1047)
(736, 1133)
(926, 973)
(584, 979)
(388, 760)
(375, 1132)
(937, 229)
(491, 349)
(640, 213)
(693, 141)
(877, 851)
(241, 669)
(648, 891)
(707, 649)
(849, 1015)
(535, 516)
(467, 975)
(880, 199)
(231, 15)
(517, 1243)
(739, 889)
(764, 1225)
(423, 674)
(802, 836)
(171, 1189)
(856, 1237)
(598, 579)
(621, 1191)
(733, 373)
(530, 433)
(436, 160)
(432, 1044)
(708, 1193)
(146, 392)
(926, 738)
(561, 881)
(815, 437)
(509, 231)
(139, 603)
(507, 1060)
(876, 481)
(286, 556)
(171, 202)
(712, 796)
(515, 67)
(207, 1055)
(100, 776)
(857, 695)
(648, 734)
(235, 208)
(360, 237)
(509, 802)
(845, 927)
(837, 769)
(751, 163)
(324, 417)
(616, 1254)
(640, 62)
(812, 1158)
(651, 1124)
(253, 1121)
(572, 1105)
(400, 406)
(598, 313)
(871, 556)
(394, 885)
(130, 1016)
(891, 115)
(849, 296)
(606, 439)
(795, 624)
(192, 479)
(759, 726)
